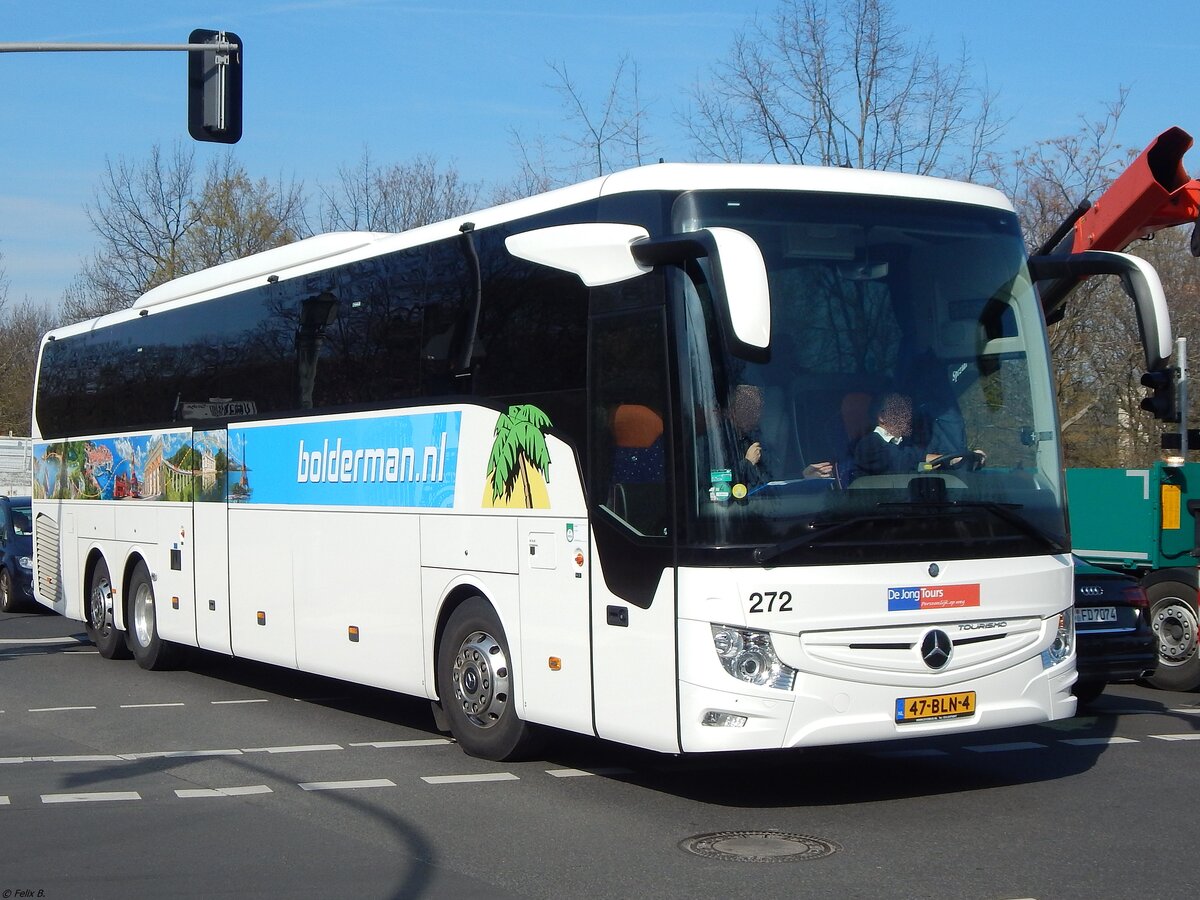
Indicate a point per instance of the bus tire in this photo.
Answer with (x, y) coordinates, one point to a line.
(1175, 621)
(475, 679)
(101, 629)
(150, 650)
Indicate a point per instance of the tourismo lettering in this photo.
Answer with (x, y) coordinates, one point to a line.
(370, 465)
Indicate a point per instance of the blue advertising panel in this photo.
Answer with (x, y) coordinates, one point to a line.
(402, 461)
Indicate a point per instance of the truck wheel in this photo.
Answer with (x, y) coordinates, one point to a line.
(150, 650)
(1175, 622)
(99, 623)
(475, 684)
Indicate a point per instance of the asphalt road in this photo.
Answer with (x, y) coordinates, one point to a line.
(233, 779)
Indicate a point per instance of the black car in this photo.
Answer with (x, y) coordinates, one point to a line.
(16, 554)
(1114, 641)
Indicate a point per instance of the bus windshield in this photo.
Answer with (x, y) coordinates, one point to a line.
(904, 408)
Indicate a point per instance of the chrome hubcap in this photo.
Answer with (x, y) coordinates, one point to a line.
(481, 680)
(143, 615)
(1176, 625)
(100, 605)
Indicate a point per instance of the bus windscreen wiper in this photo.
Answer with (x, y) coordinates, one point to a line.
(818, 530)
(1004, 511)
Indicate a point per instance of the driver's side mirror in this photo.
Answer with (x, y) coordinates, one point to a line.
(1141, 283)
(606, 253)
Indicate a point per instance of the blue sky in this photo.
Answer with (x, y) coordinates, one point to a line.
(453, 78)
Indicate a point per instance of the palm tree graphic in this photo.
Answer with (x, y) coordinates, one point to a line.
(519, 457)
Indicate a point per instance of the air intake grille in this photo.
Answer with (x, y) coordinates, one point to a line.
(45, 538)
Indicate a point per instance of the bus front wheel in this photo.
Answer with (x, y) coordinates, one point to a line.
(1174, 619)
(99, 622)
(475, 683)
(149, 649)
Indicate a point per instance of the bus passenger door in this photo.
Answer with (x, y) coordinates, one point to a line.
(210, 541)
(634, 672)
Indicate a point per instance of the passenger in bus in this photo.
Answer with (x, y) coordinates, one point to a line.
(754, 466)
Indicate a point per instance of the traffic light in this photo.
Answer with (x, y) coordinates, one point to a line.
(1162, 402)
(215, 88)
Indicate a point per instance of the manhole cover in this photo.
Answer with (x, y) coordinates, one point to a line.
(759, 846)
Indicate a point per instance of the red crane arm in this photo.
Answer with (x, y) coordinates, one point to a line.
(1155, 192)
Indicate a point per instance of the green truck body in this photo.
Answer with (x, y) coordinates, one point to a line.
(1134, 519)
(1145, 522)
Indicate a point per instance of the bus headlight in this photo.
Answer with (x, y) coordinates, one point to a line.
(749, 656)
(1064, 640)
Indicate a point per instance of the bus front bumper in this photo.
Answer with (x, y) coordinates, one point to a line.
(821, 711)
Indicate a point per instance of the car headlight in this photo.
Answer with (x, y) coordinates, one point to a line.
(749, 656)
(1064, 640)
(26, 563)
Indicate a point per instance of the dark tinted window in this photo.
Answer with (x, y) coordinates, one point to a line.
(382, 331)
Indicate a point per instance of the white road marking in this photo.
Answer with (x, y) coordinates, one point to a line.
(223, 792)
(1005, 748)
(1190, 736)
(60, 708)
(389, 745)
(3, 800)
(95, 797)
(580, 773)
(1187, 710)
(148, 705)
(346, 785)
(306, 748)
(1097, 741)
(468, 779)
(72, 639)
(233, 702)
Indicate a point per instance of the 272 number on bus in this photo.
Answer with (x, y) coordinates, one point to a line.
(771, 601)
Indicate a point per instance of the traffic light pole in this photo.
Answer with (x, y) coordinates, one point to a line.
(1182, 393)
(217, 47)
(214, 78)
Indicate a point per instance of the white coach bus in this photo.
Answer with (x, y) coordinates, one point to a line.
(508, 463)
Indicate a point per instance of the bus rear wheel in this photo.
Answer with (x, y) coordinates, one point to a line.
(99, 624)
(149, 649)
(1174, 619)
(475, 683)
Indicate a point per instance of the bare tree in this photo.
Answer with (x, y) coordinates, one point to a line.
(141, 214)
(156, 222)
(21, 328)
(371, 197)
(236, 216)
(612, 133)
(535, 173)
(841, 84)
(1095, 346)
